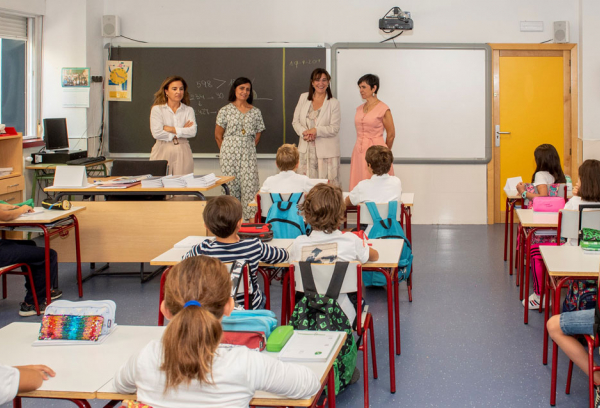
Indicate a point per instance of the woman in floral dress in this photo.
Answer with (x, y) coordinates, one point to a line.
(238, 130)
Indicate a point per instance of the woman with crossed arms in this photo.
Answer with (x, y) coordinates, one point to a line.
(317, 123)
(173, 122)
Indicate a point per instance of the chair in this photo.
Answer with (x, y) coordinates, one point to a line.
(137, 168)
(363, 216)
(592, 343)
(246, 282)
(322, 274)
(264, 203)
(25, 271)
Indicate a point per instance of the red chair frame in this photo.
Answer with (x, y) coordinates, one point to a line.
(592, 344)
(362, 329)
(25, 271)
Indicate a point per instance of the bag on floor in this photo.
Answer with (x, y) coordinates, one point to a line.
(250, 321)
(323, 313)
(261, 231)
(389, 228)
(285, 218)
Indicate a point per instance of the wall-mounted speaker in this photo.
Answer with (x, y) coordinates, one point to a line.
(111, 26)
(561, 31)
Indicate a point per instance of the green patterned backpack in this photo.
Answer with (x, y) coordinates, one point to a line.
(323, 313)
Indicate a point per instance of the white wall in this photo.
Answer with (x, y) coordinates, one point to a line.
(589, 74)
(241, 21)
(27, 7)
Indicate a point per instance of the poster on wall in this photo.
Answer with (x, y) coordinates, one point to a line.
(75, 83)
(75, 78)
(119, 74)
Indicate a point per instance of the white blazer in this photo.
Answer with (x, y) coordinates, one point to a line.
(327, 141)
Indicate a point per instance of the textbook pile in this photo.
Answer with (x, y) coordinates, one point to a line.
(189, 180)
(5, 171)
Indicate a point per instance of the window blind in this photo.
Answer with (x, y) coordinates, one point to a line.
(13, 26)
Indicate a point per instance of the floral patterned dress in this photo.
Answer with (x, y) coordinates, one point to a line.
(238, 153)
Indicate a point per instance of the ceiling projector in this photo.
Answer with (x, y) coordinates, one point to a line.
(397, 20)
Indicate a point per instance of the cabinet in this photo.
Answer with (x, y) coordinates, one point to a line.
(13, 184)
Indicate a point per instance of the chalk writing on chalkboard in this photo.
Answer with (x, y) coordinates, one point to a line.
(299, 63)
(211, 92)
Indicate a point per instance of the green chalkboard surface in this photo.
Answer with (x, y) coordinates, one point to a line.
(279, 76)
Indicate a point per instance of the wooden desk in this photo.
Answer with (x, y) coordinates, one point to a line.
(138, 190)
(51, 223)
(87, 372)
(530, 222)
(563, 263)
(40, 171)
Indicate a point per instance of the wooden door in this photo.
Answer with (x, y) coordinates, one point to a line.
(532, 101)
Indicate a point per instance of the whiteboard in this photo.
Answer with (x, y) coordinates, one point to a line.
(439, 96)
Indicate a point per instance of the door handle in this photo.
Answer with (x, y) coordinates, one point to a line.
(498, 133)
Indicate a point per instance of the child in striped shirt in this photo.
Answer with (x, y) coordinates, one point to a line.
(223, 218)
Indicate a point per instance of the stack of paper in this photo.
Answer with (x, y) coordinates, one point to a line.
(5, 171)
(176, 181)
(310, 346)
(152, 182)
(201, 181)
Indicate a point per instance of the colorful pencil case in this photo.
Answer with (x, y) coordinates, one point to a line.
(68, 327)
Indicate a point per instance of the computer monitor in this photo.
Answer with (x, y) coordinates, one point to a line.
(56, 134)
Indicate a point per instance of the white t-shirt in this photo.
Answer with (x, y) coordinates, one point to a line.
(573, 204)
(348, 247)
(379, 189)
(9, 383)
(287, 182)
(237, 373)
(543, 177)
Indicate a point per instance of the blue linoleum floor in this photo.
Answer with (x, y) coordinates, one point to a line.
(464, 343)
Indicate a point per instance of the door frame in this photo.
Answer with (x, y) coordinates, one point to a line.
(572, 145)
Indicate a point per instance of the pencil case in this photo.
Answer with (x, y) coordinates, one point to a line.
(278, 338)
(590, 234)
(590, 245)
(104, 308)
(548, 204)
(66, 327)
(254, 340)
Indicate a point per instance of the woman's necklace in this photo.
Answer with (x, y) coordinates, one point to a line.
(244, 124)
(368, 106)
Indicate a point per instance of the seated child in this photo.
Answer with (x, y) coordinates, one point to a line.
(288, 181)
(14, 380)
(381, 187)
(187, 367)
(324, 210)
(223, 218)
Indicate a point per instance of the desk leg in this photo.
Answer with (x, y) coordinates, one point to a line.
(555, 311)
(47, 266)
(226, 188)
(546, 315)
(526, 272)
(510, 248)
(17, 402)
(395, 282)
(331, 388)
(34, 184)
(390, 302)
(78, 255)
(284, 300)
(506, 210)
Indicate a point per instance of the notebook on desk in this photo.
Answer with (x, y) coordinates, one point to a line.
(308, 346)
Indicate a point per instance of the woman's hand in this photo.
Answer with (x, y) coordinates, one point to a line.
(170, 129)
(188, 124)
(310, 134)
(520, 188)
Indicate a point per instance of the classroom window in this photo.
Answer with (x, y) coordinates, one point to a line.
(19, 81)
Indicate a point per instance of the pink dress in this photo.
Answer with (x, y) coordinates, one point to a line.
(369, 132)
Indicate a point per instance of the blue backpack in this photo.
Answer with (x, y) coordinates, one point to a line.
(285, 220)
(389, 228)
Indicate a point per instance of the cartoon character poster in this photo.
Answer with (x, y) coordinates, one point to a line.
(119, 74)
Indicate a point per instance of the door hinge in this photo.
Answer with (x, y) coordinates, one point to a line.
(570, 152)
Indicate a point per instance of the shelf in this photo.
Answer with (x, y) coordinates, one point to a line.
(13, 174)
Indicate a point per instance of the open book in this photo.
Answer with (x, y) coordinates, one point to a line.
(307, 345)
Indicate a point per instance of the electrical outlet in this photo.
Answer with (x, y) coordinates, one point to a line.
(96, 78)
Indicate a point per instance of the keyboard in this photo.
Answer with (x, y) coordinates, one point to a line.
(86, 160)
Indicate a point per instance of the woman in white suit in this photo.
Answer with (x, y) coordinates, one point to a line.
(317, 123)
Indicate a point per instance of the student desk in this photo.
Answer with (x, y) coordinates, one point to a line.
(511, 200)
(323, 370)
(51, 223)
(138, 190)
(40, 171)
(530, 222)
(563, 263)
(389, 255)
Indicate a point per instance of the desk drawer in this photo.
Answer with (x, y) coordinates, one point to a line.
(12, 184)
(11, 198)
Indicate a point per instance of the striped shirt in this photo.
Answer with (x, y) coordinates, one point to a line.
(251, 250)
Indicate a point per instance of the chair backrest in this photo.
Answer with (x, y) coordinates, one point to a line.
(364, 216)
(568, 222)
(139, 167)
(322, 274)
(264, 202)
(245, 284)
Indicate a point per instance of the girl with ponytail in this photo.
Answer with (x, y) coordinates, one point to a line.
(187, 367)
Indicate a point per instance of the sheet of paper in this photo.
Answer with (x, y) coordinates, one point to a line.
(76, 97)
(511, 184)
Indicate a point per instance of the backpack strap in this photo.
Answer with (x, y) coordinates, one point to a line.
(335, 285)
(307, 278)
(372, 207)
(285, 205)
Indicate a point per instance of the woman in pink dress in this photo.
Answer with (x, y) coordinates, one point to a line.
(370, 120)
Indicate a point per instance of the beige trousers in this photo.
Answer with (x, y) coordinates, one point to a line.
(179, 156)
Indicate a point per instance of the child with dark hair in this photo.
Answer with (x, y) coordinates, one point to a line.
(223, 218)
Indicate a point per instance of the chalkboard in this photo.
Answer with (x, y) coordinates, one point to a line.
(279, 75)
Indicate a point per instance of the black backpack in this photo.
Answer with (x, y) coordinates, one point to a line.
(323, 313)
